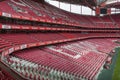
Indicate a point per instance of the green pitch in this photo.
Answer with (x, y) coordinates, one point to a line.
(108, 74)
(116, 74)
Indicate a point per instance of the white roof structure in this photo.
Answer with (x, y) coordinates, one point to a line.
(112, 1)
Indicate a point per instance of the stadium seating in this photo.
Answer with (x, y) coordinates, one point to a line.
(5, 75)
(41, 42)
(103, 44)
(52, 57)
(52, 61)
(41, 63)
(12, 39)
(30, 10)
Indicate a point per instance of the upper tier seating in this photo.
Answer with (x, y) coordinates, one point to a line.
(30, 10)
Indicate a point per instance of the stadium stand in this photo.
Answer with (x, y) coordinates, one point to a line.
(52, 62)
(46, 13)
(41, 42)
(5, 75)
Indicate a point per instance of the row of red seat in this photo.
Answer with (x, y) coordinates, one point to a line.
(77, 49)
(13, 26)
(11, 39)
(36, 28)
(103, 44)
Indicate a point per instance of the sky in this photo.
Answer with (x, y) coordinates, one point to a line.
(78, 9)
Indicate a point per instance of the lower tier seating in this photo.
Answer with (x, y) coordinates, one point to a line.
(42, 64)
(4, 75)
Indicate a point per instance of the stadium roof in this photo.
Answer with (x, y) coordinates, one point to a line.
(90, 3)
(93, 3)
(84, 2)
(112, 3)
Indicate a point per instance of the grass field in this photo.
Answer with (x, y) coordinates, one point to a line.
(116, 74)
(108, 74)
